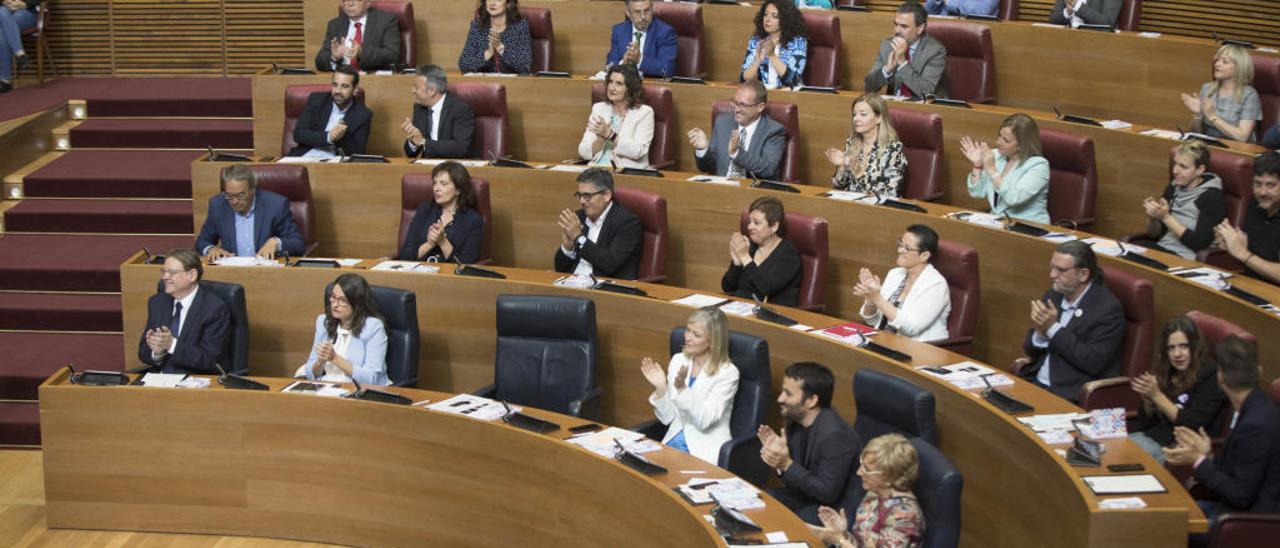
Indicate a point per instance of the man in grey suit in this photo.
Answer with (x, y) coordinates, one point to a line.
(366, 39)
(746, 144)
(1080, 12)
(911, 63)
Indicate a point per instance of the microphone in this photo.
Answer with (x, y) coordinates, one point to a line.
(237, 382)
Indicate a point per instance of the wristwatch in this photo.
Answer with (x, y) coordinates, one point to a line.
(582, 240)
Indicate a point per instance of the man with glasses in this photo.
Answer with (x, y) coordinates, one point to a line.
(187, 328)
(1256, 243)
(334, 123)
(245, 222)
(603, 238)
(364, 38)
(746, 144)
(1077, 327)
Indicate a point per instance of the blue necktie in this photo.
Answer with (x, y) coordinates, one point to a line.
(177, 319)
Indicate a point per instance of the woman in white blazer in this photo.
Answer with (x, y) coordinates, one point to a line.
(620, 127)
(694, 398)
(914, 300)
(351, 340)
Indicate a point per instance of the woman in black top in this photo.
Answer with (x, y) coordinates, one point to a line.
(1181, 390)
(763, 264)
(498, 40)
(1182, 220)
(446, 227)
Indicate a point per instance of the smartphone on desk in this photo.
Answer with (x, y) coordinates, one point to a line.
(1126, 467)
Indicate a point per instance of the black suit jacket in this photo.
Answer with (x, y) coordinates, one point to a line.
(203, 338)
(456, 133)
(381, 41)
(1246, 477)
(1086, 349)
(616, 253)
(821, 467)
(309, 133)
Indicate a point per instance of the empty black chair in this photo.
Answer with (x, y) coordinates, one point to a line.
(235, 351)
(887, 404)
(399, 310)
(547, 354)
(938, 488)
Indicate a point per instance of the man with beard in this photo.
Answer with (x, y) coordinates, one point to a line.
(815, 452)
(334, 122)
(1256, 243)
(911, 63)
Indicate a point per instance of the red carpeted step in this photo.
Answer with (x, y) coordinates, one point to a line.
(29, 358)
(163, 133)
(114, 174)
(136, 97)
(48, 262)
(19, 423)
(60, 312)
(113, 216)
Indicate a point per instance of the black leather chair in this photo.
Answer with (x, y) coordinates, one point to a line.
(547, 354)
(399, 310)
(938, 488)
(741, 454)
(235, 351)
(887, 404)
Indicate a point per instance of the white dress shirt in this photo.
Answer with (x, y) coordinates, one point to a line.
(182, 321)
(1069, 310)
(593, 234)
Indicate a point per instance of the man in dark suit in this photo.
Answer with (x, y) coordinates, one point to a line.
(366, 39)
(816, 451)
(1077, 326)
(1246, 477)
(443, 125)
(603, 238)
(746, 144)
(911, 63)
(334, 121)
(643, 40)
(1092, 12)
(187, 328)
(243, 221)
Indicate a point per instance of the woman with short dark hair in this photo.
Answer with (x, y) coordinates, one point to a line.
(914, 300)
(446, 227)
(763, 264)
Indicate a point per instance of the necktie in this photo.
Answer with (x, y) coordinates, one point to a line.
(734, 171)
(903, 90)
(638, 48)
(357, 40)
(176, 323)
(426, 133)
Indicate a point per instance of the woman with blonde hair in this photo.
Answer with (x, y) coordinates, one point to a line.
(1182, 220)
(1227, 107)
(1014, 177)
(694, 398)
(889, 516)
(872, 161)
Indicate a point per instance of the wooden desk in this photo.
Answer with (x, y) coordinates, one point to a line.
(358, 215)
(1007, 469)
(343, 471)
(547, 118)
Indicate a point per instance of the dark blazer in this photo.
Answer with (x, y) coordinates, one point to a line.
(203, 338)
(822, 465)
(1096, 12)
(466, 233)
(271, 218)
(1199, 407)
(456, 131)
(1247, 475)
(777, 278)
(762, 159)
(1087, 349)
(660, 45)
(616, 253)
(381, 41)
(516, 40)
(925, 73)
(309, 132)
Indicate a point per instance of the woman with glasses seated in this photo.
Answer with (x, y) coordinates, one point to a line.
(694, 398)
(914, 300)
(447, 227)
(351, 339)
(620, 127)
(889, 515)
(777, 50)
(764, 265)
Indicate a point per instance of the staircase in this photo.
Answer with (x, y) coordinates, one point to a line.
(119, 181)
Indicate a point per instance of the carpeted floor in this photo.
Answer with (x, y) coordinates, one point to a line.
(137, 97)
(114, 174)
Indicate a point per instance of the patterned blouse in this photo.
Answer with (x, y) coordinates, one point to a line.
(793, 55)
(517, 55)
(895, 522)
(883, 175)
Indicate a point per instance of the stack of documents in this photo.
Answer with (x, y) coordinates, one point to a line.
(738, 308)
(967, 375)
(315, 388)
(1055, 428)
(602, 442)
(475, 407)
(715, 180)
(406, 266)
(847, 196)
(733, 493)
(978, 218)
(1206, 276)
(246, 261)
(576, 281)
(698, 300)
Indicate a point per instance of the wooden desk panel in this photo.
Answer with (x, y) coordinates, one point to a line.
(1006, 468)
(358, 215)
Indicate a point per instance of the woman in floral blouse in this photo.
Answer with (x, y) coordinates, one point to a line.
(889, 516)
(872, 160)
(777, 51)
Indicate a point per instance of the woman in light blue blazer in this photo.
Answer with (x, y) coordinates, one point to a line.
(1014, 178)
(351, 339)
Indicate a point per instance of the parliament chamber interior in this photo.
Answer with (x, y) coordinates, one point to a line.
(999, 273)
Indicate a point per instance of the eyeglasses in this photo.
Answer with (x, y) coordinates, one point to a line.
(741, 106)
(904, 247)
(862, 466)
(339, 301)
(588, 195)
(238, 197)
(1056, 270)
(166, 273)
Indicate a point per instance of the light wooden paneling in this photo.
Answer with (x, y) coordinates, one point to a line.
(154, 37)
(260, 33)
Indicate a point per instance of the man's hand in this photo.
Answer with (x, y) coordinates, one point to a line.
(159, 339)
(412, 133)
(1191, 446)
(338, 131)
(1232, 239)
(337, 51)
(697, 138)
(773, 448)
(898, 56)
(216, 253)
(353, 51)
(570, 226)
(1043, 315)
(632, 55)
(733, 143)
(269, 249)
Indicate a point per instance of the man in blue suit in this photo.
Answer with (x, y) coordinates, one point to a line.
(243, 221)
(644, 41)
(187, 328)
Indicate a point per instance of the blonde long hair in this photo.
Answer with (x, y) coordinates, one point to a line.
(712, 319)
(884, 134)
(1244, 69)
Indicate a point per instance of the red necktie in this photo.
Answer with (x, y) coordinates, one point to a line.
(903, 90)
(358, 40)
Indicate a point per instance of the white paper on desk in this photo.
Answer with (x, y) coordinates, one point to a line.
(195, 382)
(1124, 484)
(1162, 133)
(406, 266)
(1150, 34)
(1049, 25)
(602, 442)
(246, 261)
(1203, 271)
(342, 262)
(847, 196)
(317, 388)
(163, 380)
(465, 163)
(776, 537)
(978, 218)
(696, 494)
(476, 407)
(307, 160)
(1122, 503)
(1115, 124)
(573, 168)
(1057, 437)
(715, 180)
(738, 308)
(800, 327)
(699, 300)
(969, 375)
(580, 281)
(1059, 237)
(1269, 50)
(1053, 421)
(1111, 248)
